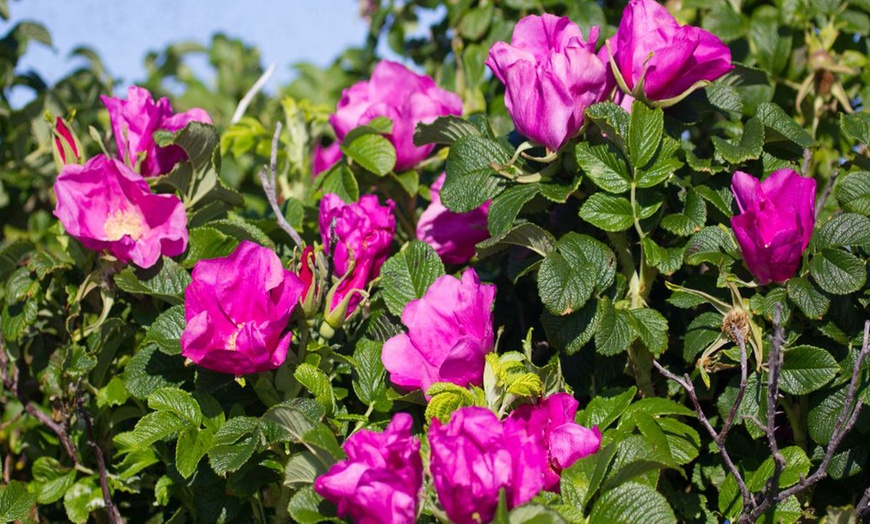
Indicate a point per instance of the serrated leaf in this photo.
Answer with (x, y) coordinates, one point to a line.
(666, 260)
(810, 300)
(81, 499)
(606, 212)
(150, 428)
(691, 220)
(663, 164)
(838, 272)
(192, 445)
(603, 411)
(369, 384)
(307, 507)
(471, 179)
(341, 181)
(710, 244)
(683, 441)
(613, 121)
(178, 402)
(318, 383)
(856, 126)
(563, 286)
(720, 198)
(207, 242)
(446, 398)
(505, 207)
(303, 469)
(806, 369)
(657, 406)
(632, 503)
(750, 146)
(604, 165)
(645, 129)
(525, 235)
(652, 328)
(150, 369)
(780, 126)
(615, 331)
(848, 229)
(853, 192)
(571, 332)
(226, 458)
(581, 481)
(165, 281)
(526, 385)
(371, 151)
(797, 465)
(51, 480)
(241, 229)
(444, 130)
(166, 330)
(407, 275)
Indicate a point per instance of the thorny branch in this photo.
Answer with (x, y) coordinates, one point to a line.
(267, 178)
(755, 505)
(111, 509)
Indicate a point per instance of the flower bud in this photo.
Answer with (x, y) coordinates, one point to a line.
(66, 144)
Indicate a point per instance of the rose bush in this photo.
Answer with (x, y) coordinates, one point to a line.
(620, 278)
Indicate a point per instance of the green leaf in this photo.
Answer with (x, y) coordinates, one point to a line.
(166, 330)
(369, 384)
(613, 121)
(720, 198)
(810, 300)
(711, 244)
(563, 286)
(150, 369)
(645, 130)
(192, 445)
(580, 482)
(853, 192)
(165, 281)
(667, 260)
(582, 250)
(604, 165)
(797, 465)
(848, 229)
(444, 130)
(226, 458)
(750, 146)
(505, 207)
(652, 328)
(341, 181)
(615, 331)
(178, 402)
(534, 514)
(825, 408)
(316, 381)
(81, 499)
(371, 151)
(306, 507)
(606, 212)
(691, 220)
(571, 332)
(112, 394)
(632, 503)
(838, 272)
(663, 164)
(856, 126)
(780, 126)
(303, 469)
(51, 480)
(683, 441)
(15, 501)
(296, 418)
(525, 235)
(407, 275)
(471, 166)
(207, 242)
(447, 398)
(603, 411)
(150, 428)
(806, 369)
(241, 229)
(657, 406)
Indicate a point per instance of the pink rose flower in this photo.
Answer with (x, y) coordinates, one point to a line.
(474, 456)
(381, 479)
(106, 206)
(454, 236)
(363, 233)
(134, 122)
(449, 334)
(551, 75)
(325, 157)
(671, 58)
(551, 424)
(66, 146)
(404, 97)
(775, 223)
(237, 308)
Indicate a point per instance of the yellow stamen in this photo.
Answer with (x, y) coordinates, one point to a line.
(122, 223)
(231, 343)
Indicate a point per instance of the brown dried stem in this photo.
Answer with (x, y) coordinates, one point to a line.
(267, 179)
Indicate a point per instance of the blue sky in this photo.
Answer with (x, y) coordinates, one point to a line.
(285, 32)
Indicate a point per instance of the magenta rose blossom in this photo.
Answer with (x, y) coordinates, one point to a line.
(474, 456)
(671, 58)
(775, 222)
(449, 334)
(404, 97)
(551, 424)
(452, 235)
(325, 157)
(237, 308)
(363, 233)
(551, 75)
(134, 122)
(106, 206)
(381, 479)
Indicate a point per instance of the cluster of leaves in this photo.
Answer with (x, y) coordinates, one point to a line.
(615, 256)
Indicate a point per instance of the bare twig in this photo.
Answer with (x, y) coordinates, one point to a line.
(820, 203)
(111, 508)
(686, 383)
(863, 507)
(246, 100)
(267, 178)
(744, 371)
